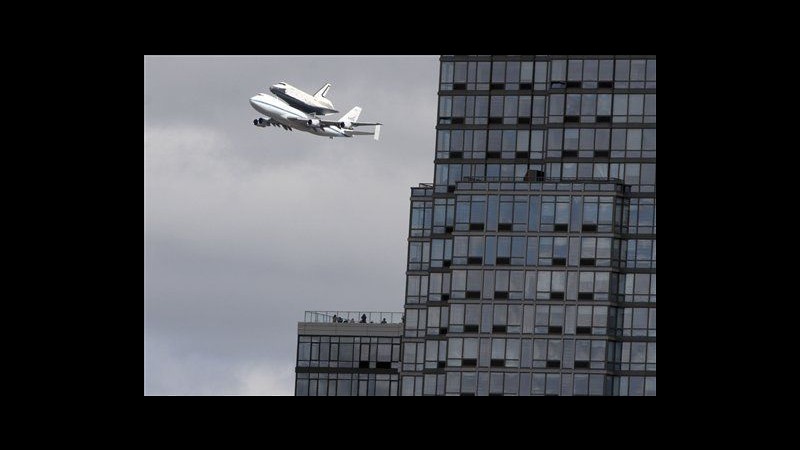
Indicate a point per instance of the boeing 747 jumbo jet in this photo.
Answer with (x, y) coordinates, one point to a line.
(280, 114)
(314, 104)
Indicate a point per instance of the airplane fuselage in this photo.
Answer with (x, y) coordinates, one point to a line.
(290, 117)
(301, 100)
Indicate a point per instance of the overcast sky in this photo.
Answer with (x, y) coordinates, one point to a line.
(246, 228)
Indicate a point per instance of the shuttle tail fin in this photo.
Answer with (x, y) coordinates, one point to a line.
(323, 91)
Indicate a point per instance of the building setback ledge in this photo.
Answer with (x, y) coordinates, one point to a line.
(350, 329)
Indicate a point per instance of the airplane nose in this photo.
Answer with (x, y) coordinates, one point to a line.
(253, 101)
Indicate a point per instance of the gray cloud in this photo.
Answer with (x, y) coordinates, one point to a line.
(245, 228)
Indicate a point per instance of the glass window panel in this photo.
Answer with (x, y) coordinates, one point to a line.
(584, 316)
(558, 70)
(554, 138)
(649, 139)
(509, 140)
(538, 384)
(586, 282)
(510, 108)
(587, 138)
(637, 69)
(600, 170)
(562, 213)
(595, 384)
(471, 72)
(634, 139)
(482, 106)
(648, 175)
(650, 386)
(632, 173)
(571, 138)
(445, 106)
(497, 106)
(512, 72)
(573, 104)
(483, 72)
(457, 140)
(651, 70)
(620, 104)
(473, 280)
(590, 70)
(498, 348)
(559, 281)
(460, 72)
(601, 139)
(522, 141)
(447, 72)
(554, 349)
(458, 106)
(604, 104)
(524, 107)
(527, 72)
(636, 104)
(618, 139)
(543, 282)
(539, 106)
(498, 71)
(569, 170)
(640, 318)
(621, 69)
(650, 104)
(540, 71)
(575, 70)
(588, 104)
(495, 140)
(581, 384)
(582, 347)
(556, 104)
(606, 69)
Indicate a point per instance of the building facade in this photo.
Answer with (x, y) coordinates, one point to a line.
(532, 255)
(341, 354)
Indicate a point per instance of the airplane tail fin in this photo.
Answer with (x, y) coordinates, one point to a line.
(323, 91)
(352, 115)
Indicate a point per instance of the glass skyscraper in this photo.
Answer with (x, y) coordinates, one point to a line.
(532, 255)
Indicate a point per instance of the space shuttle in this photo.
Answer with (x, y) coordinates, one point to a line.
(315, 104)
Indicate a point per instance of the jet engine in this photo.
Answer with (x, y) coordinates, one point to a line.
(345, 124)
(313, 123)
(261, 122)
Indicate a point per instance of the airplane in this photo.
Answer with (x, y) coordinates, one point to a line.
(279, 114)
(316, 104)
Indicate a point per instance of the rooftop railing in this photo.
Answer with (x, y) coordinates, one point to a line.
(354, 316)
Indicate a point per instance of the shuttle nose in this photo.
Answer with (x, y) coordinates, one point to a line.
(275, 88)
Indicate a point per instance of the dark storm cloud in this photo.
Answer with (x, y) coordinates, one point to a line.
(245, 228)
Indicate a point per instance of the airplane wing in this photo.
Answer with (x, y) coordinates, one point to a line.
(329, 123)
(297, 121)
(263, 123)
